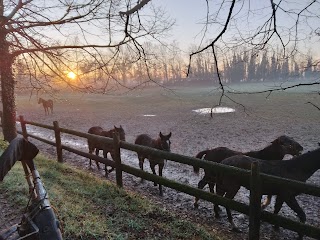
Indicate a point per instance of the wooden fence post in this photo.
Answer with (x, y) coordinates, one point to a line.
(117, 158)
(23, 127)
(58, 141)
(255, 202)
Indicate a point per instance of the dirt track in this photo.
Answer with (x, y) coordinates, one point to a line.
(251, 128)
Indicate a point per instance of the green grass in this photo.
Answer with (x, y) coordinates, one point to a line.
(93, 208)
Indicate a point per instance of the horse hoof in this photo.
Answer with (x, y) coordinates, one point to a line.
(276, 228)
(217, 215)
(155, 184)
(300, 237)
(236, 230)
(196, 205)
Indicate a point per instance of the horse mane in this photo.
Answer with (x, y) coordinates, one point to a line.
(267, 153)
(156, 143)
(108, 133)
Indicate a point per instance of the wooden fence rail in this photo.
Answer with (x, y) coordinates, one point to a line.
(256, 178)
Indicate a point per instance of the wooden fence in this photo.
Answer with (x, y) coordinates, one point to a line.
(253, 210)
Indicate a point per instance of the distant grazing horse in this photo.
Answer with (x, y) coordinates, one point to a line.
(276, 150)
(46, 105)
(298, 168)
(106, 148)
(161, 143)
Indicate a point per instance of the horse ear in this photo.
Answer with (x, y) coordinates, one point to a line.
(115, 127)
(169, 136)
(160, 135)
(121, 127)
(277, 140)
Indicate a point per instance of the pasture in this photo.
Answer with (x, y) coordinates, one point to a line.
(256, 121)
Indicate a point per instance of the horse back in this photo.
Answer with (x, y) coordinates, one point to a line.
(220, 153)
(95, 130)
(145, 140)
(92, 144)
(284, 169)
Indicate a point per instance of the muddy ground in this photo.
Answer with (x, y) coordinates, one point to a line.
(257, 121)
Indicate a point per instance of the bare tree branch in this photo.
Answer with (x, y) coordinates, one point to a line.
(135, 8)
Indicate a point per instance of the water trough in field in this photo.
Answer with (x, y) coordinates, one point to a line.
(203, 111)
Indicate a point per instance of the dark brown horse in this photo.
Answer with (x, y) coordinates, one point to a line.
(298, 168)
(106, 148)
(46, 105)
(161, 143)
(276, 150)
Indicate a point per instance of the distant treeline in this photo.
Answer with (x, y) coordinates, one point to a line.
(168, 65)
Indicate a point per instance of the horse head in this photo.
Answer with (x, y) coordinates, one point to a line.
(165, 141)
(121, 133)
(40, 100)
(289, 145)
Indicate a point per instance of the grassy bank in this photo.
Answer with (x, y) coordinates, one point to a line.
(92, 208)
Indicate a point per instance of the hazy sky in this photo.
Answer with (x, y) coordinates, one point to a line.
(189, 15)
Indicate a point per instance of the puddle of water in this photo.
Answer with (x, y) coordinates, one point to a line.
(149, 115)
(214, 110)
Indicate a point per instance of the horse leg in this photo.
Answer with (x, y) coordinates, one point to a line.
(160, 174)
(266, 202)
(141, 161)
(97, 163)
(201, 185)
(230, 195)
(277, 207)
(211, 188)
(152, 166)
(294, 205)
(90, 152)
(113, 157)
(220, 192)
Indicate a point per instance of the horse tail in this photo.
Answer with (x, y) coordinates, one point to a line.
(196, 169)
(202, 153)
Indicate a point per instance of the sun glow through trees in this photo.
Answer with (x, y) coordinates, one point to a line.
(71, 75)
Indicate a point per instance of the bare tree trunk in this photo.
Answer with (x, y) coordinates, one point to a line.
(7, 87)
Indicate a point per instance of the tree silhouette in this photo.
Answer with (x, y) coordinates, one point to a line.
(51, 38)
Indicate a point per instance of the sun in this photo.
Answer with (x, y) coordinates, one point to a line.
(71, 75)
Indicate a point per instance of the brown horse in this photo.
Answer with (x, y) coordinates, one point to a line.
(46, 105)
(276, 150)
(299, 168)
(161, 143)
(106, 148)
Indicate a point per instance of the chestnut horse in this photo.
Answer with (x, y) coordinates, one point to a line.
(276, 150)
(161, 143)
(46, 105)
(106, 148)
